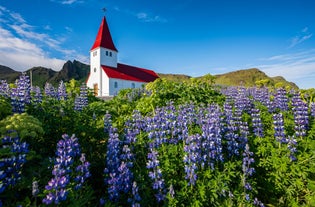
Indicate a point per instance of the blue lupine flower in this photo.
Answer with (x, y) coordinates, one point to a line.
(300, 112)
(50, 91)
(281, 99)
(36, 95)
(112, 164)
(21, 94)
(312, 109)
(62, 92)
(4, 89)
(292, 143)
(11, 165)
(211, 137)
(248, 170)
(68, 151)
(192, 158)
(257, 125)
(81, 101)
(279, 128)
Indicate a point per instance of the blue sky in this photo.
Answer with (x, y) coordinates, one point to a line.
(192, 37)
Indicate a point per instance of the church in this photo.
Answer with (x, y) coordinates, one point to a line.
(107, 77)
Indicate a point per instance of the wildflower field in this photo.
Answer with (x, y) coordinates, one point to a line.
(167, 144)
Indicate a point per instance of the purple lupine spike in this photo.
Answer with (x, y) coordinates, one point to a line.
(192, 158)
(50, 91)
(257, 124)
(62, 92)
(300, 112)
(65, 172)
(211, 137)
(247, 169)
(36, 95)
(11, 165)
(281, 99)
(279, 128)
(292, 143)
(4, 89)
(21, 94)
(313, 109)
(155, 174)
(112, 164)
(81, 101)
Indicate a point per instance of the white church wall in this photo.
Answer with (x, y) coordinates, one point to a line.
(115, 85)
(108, 57)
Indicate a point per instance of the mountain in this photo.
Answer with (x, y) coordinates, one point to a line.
(8, 74)
(251, 77)
(40, 75)
(79, 71)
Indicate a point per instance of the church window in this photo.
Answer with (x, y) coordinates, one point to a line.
(106, 53)
(94, 70)
(115, 85)
(94, 53)
(110, 53)
(133, 85)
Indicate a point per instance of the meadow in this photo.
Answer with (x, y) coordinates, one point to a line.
(169, 143)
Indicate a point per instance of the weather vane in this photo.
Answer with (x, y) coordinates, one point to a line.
(104, 9)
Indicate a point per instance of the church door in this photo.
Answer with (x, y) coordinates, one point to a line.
(95, 87)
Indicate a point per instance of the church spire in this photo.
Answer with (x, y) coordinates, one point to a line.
(104, 38)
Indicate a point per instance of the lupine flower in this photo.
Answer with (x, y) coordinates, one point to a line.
(11, 165)
(258, 203)
(50, 91)
(279, 128)
(112, 164)
(192, 158)
(281, 99)
(136, 197)
(82, 172)
(35, 189)
(36, 95)
(292, 143)
(312, 109)
(4, 89)
(257, 125)
(230, 131)
(211, 137)
(68, 151)
(21, 95)
(107, 122)
(81, 101)
(62, 92)
(248, 170)
(300, 111)
(155, 174)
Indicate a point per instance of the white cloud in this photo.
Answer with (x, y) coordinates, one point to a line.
(147, 18)
(296, 67)
(142, 16)
(67, 2)
(303, 36)
(22, 47)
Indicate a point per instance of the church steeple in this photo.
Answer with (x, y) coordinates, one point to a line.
(104, 38)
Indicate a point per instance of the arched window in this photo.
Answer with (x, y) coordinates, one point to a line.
(94, 70)
(110, 54)
(106, 53)
(133, 85)
(115, 85)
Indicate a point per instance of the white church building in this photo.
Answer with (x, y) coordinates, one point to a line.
(107, 77)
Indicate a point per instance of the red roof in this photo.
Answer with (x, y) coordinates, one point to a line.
(103, 38)
(131, 73)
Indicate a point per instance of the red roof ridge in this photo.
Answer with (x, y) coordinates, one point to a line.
(131, 73)
(104, 38)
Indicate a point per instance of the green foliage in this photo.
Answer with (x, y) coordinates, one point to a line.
(5, 108)
(26, 126)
